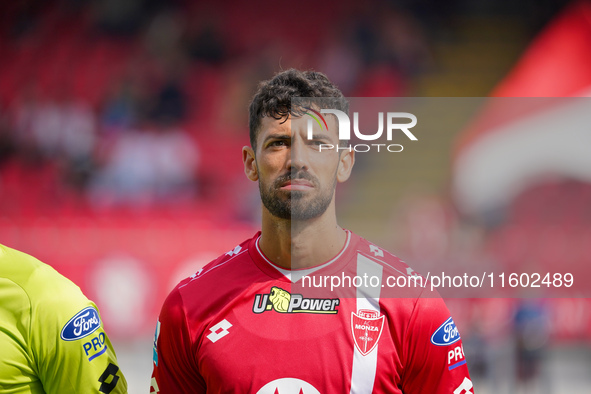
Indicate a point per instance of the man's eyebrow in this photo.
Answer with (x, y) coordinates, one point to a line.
(277, 137)
(320, 136)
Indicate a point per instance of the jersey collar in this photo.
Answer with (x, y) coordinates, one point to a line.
(276, 272)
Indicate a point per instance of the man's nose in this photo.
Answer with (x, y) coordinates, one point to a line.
(298, 155)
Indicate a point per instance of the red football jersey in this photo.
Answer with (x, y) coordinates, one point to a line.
(243, 325)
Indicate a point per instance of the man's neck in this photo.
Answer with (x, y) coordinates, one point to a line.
(301, 244)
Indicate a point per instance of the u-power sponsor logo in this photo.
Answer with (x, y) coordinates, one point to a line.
(446, 334)
(283, 302)
(82, 324)
(391, 119)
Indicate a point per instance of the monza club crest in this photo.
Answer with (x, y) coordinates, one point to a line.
(366, 327)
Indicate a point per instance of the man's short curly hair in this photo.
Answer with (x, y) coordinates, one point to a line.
(273, 97)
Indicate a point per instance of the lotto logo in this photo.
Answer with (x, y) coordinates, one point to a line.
(219, 331)
(465, 387)
(236, 250)
(154, 387)
(376, 251)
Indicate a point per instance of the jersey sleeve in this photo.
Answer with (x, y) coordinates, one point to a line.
(434, 356)
(175, 370)
(71, 350)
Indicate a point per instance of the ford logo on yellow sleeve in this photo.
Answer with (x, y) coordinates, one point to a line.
(446, 334)
(82, 324)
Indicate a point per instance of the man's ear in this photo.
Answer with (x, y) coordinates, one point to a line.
(346, 162)
(250, 164)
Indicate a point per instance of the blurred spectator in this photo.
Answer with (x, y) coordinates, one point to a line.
(25, 16)
(120, 111)
(532, 331)
(151, 165)
(164, 33)
(239, 81)
(404, 42)
(7, 146)
(61, 129)
(204, 41)
(119, 17)
(339, 60)
(365, 34)
(169, 104)
(58, 126)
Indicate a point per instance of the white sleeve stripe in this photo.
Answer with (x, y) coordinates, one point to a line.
(215, 266)
(383, 262)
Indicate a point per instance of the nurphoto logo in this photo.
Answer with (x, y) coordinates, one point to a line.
(394, 122)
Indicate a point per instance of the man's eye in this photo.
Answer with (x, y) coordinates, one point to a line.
(278, 143)
(319, 145)
(317, 142)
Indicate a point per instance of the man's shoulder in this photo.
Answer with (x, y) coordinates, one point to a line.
(229, 269)
(16, 265)
(32, 276)
(391, 263)
(395, 278)
(209, 289)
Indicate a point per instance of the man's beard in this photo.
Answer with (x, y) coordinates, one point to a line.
(295, 206)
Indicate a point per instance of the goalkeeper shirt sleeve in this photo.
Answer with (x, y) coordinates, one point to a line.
(62, 346)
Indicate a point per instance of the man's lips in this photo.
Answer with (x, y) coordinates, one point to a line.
(297, 184)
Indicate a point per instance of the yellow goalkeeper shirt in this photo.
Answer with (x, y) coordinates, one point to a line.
(51, 336)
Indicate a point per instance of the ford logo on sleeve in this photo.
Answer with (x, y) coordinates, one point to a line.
(82, 324)
(446, 334)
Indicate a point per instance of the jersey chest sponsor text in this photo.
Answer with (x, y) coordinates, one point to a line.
(284, 302)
